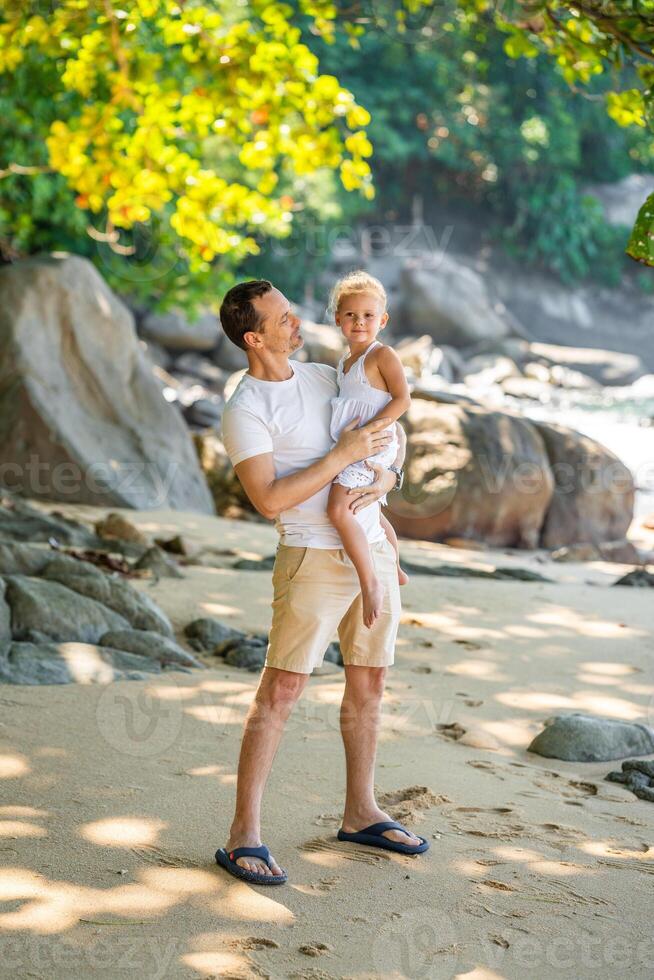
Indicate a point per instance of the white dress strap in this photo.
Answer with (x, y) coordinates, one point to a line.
(361, 369)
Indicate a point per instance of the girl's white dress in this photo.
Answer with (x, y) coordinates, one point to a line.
(357, 398)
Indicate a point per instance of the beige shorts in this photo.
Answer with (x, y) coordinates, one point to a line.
(316, 594)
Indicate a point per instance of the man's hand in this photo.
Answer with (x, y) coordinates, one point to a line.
(385, 481)
(357, 444)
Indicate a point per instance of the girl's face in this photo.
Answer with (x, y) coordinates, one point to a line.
(361, 316)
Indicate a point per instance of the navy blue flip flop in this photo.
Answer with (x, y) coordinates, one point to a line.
(228, 861)
(373, 836)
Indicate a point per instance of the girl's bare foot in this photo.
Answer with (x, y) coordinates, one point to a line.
(402, 576)
(372, 596)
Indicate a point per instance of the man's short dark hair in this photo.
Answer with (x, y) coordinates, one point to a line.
(237, 312)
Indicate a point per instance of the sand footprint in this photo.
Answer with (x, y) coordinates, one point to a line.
(315, 948)
(252, 942)
(350, 852)
(154, 855)
(407, 805)
(484, 809)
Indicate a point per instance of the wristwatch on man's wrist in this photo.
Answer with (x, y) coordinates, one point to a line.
(399, 477)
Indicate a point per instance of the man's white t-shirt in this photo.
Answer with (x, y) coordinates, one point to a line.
(291, 420)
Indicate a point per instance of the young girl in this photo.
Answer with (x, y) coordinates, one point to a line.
(371, 385)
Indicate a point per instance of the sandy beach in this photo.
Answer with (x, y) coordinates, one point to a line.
(115, 797)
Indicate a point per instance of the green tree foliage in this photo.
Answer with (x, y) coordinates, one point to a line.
(588, 38)
(168, 140)
(118, 108)
(465, 119)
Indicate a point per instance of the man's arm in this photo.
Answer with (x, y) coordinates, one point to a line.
(271, 496)
(385, 479)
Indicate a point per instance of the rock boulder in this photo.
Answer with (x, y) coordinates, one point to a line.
(82, 418)
(472, 473)
(449, 300)
(593, 495)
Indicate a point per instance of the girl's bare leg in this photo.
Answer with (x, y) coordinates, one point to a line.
(357, 548)
(389, 530)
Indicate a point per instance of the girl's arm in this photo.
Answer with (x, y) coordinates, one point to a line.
(391, 369)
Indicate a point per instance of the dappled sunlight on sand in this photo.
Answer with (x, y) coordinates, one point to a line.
(85, 664)
(12, 766)
(481, 669)
(221, 687)
(533, 700)
(171, 693)
(179, 881)
(597, 704)
(450, 625)
(480, 973)
(127, 855)
(516, 732)
(526, 632)
(20, 828)
(216, 714)
(323, 859)
(21, 811)
(539, 864)
(238, 901)
(565, 619)
(609, 849)
(122, 831)
(218, 609)
(205, 770)
(533, 860)
(608, 668)
(50, 907)
(217, 963)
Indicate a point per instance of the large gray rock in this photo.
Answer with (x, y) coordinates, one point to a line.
(639, 578)
(230, 499)
(68, 663)
(207, 632)
(606, 367)
(135, 608)
(146, 643)
(82, 417)
(20, 521)
(449, 300)
(583, 738)
(593, 497)
(422, 358)
(638, 776)
(248, 653)
(156, 560)
(174, 331)
(57, 612)
(617, 320)
(472, 473)
(18, 558)
(565, 365)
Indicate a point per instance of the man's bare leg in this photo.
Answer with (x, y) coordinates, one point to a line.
(360, 717)
(273, 702)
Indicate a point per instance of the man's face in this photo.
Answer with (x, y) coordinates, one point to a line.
(280, 327)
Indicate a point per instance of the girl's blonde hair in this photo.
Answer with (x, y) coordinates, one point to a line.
(358, 281)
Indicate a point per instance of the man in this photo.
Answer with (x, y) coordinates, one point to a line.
(276, 432)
